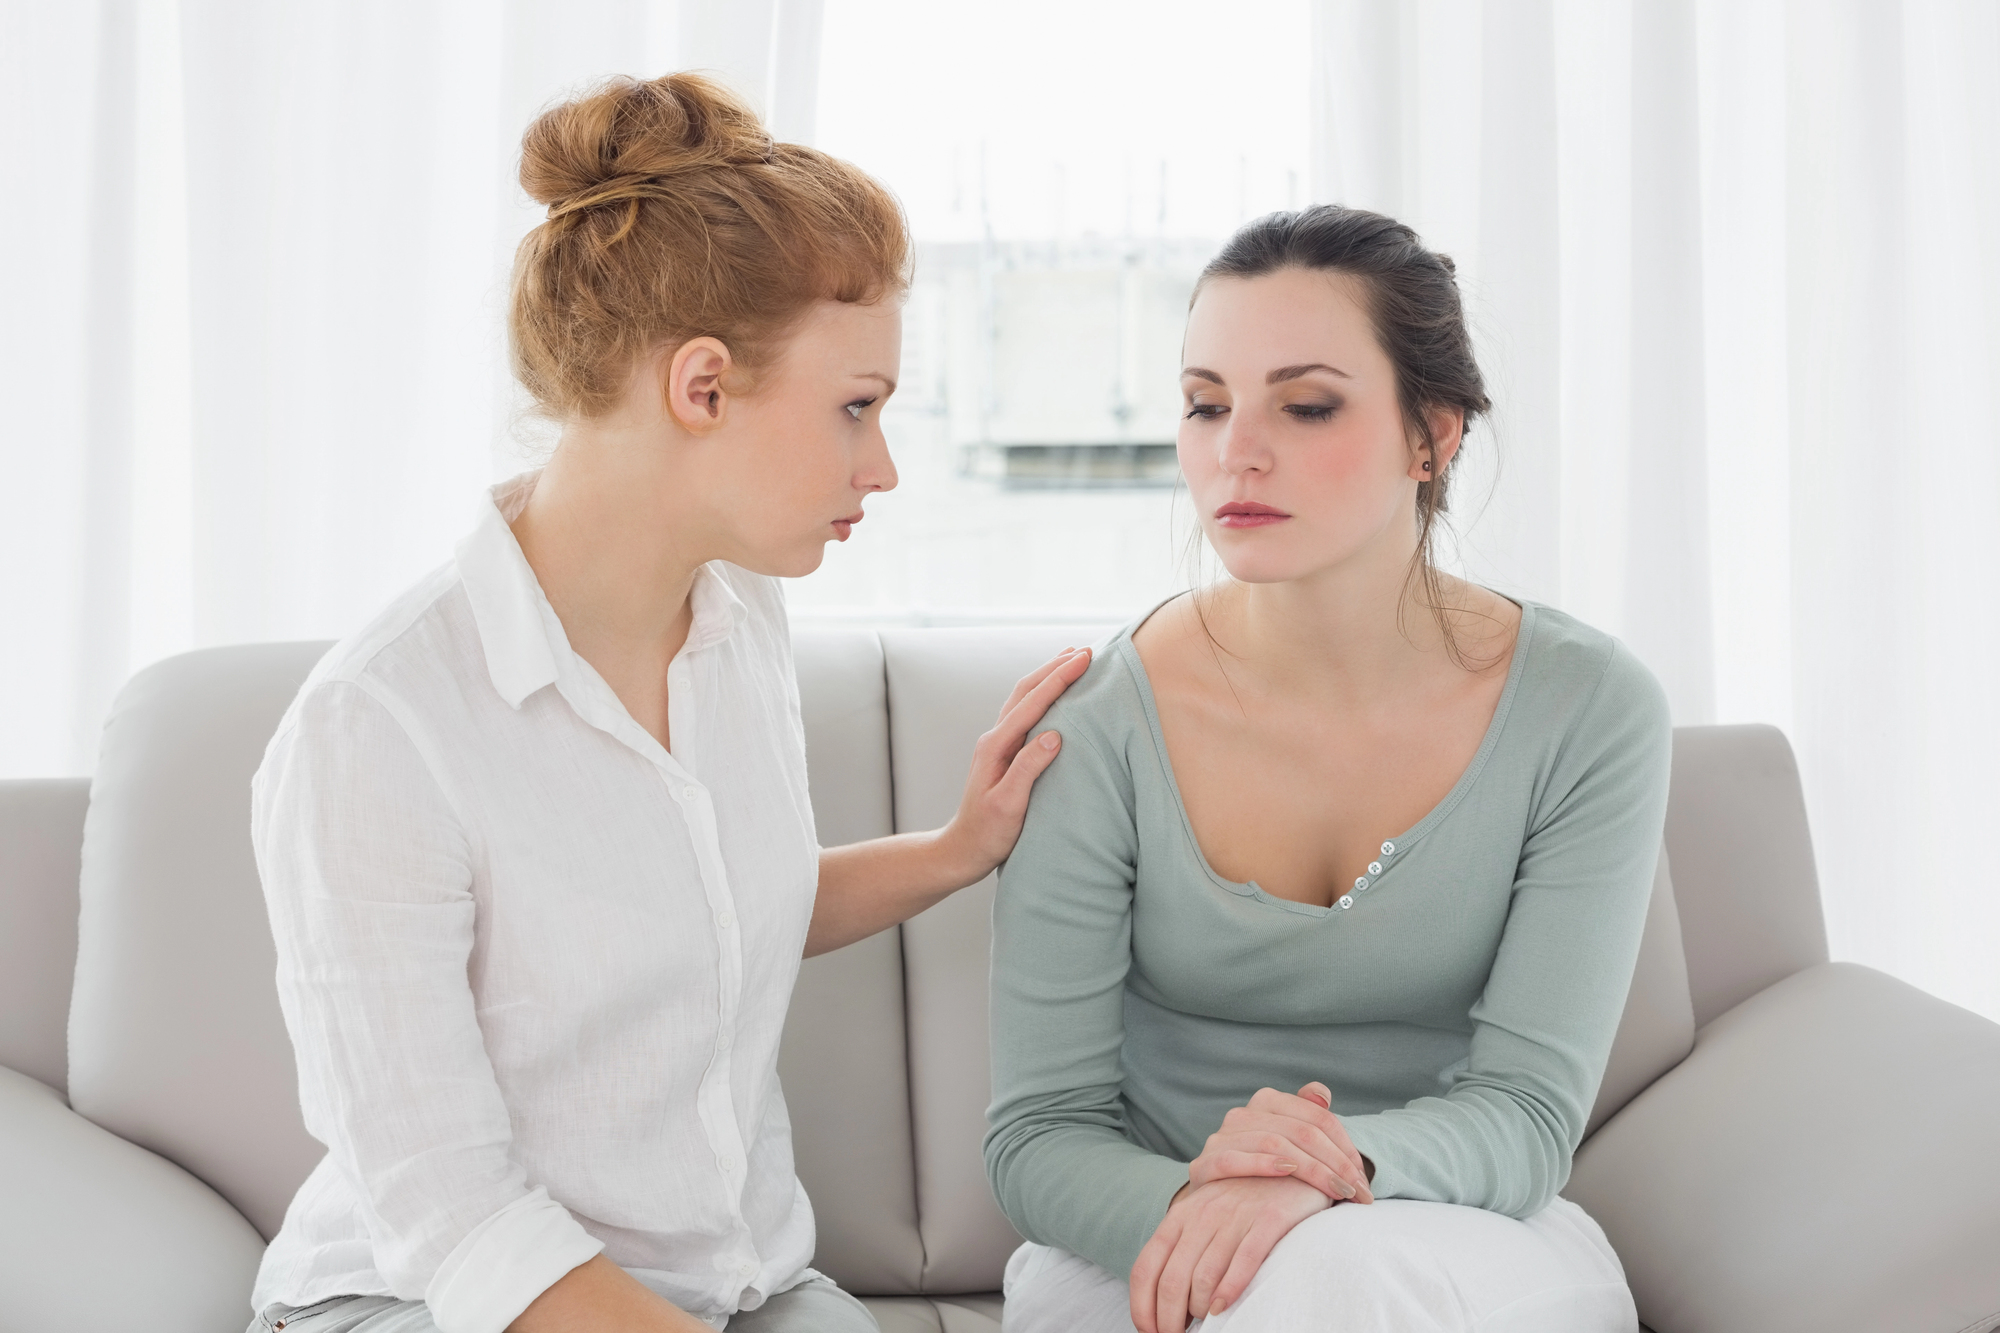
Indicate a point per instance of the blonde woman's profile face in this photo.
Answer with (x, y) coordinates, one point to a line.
(1292, 439)
(804, 449)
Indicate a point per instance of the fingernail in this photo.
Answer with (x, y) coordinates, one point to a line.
(1050, 740)
(1288, 1167)
(1217, 1308)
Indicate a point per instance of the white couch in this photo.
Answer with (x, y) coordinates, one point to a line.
(1785, 1143)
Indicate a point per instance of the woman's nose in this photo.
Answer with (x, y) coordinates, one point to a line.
(1242, 447)
(877, 471)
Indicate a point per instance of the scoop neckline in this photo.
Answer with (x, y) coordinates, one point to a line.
(1404, 841)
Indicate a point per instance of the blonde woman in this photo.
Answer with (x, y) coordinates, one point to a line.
(536, 842)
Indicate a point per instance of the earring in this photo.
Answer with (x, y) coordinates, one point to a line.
(1427, 465)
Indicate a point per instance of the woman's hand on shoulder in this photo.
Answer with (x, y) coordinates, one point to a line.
(1212, 1242)
(1004, 768)
(1285, 1134)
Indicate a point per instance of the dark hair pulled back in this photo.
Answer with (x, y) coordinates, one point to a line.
(1412, 298)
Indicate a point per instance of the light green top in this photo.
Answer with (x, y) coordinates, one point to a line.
(1461, 1006)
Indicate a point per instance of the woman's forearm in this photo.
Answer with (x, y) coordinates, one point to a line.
(869, 886)
(601, 1297)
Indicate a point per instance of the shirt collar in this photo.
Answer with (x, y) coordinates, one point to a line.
(519, 631)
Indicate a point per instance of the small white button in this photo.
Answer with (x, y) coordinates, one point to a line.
(747, 1269)
(1361, 882)
(725, 918)
(1345, 902)
(1374, 867)
(692, 793)
(1388, 849)
(722, 1042)
(727, 1163)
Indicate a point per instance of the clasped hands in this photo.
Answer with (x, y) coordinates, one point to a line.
(1274, 1163)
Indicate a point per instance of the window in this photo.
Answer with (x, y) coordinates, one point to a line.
(1064, 190)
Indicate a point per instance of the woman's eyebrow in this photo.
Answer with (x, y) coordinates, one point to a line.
(1201, 374)
(1283, 373)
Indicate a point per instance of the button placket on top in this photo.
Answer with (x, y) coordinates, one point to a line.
(714, 1101)
(595, 701)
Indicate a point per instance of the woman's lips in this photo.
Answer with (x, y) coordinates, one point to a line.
(1249, 514)
(843, 527)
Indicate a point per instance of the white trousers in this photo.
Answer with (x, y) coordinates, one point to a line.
(1392, 1266)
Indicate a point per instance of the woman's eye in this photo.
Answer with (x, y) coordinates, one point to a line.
(1206, 411)
(1312, 411)
(856, 408)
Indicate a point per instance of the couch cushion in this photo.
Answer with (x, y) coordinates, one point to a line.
(96, 1233)
(844, 1062)
(175, 1039)
(41, 840)
(945, 688)
(1743, 864)
(1828, 1159)
(945, 1314)
(1657, 1029)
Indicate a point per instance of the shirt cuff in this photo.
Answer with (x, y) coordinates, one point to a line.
(505, 1262)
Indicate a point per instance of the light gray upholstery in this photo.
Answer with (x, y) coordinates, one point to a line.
(1828, 1158)
(41, 840)
(98, 1234)
(1743, 864)
(845, 1062)
(943, 1314)
(946, 687)
(1657, 1029)
(175, 1039)
(1824, 1158)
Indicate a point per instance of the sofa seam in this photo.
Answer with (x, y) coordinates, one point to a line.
(903, 983)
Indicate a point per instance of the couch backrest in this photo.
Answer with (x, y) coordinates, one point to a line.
(1743, 864)
(176, 1041)
(41, 837)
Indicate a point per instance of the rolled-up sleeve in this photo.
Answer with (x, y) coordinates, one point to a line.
(367, 871)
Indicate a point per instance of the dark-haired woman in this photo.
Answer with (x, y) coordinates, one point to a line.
(536, 842)
(1343, 824)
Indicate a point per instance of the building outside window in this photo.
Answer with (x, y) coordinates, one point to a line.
(1059, 232)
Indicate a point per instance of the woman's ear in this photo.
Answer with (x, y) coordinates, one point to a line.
(695, 392)
(1447, 431)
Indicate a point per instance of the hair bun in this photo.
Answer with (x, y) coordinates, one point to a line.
(626, 133)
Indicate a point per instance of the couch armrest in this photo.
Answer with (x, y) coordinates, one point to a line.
(41, 848)
(97, 1233)
(1827, 1158)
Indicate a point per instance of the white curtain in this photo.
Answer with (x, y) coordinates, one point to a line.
(1735, 267)
(253, 371)
(1732, 263)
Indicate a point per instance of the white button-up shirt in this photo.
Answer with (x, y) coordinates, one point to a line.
(535, 967)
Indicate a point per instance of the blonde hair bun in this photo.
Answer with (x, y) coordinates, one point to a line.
(625, 133)
(673, 215)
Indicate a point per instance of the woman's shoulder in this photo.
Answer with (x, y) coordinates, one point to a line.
(1570, 651)
(1589, 683)
(1105, 706)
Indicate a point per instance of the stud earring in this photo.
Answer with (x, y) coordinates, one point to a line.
(1427, 465)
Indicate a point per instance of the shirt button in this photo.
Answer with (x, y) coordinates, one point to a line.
(691, 793)
(727, 1163)
(722, 1042)
(725, 918)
